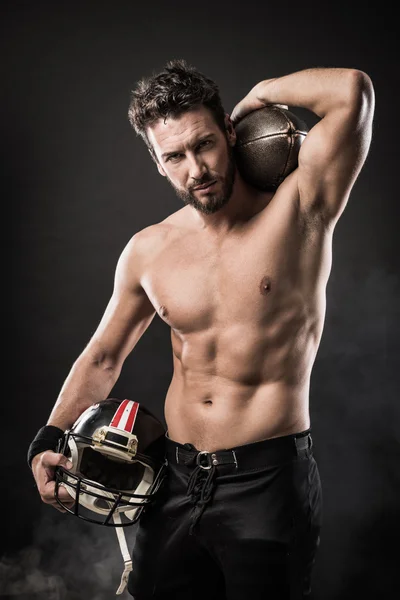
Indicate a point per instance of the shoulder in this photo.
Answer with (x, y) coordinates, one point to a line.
(137, 253)
(143, 239)
(150, 240)
(174, 225)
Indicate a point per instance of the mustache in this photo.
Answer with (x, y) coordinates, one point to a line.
(202, 181)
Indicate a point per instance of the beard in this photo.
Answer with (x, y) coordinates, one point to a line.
(213, 201)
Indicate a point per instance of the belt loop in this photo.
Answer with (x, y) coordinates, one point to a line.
(234, 456)
(302, 443)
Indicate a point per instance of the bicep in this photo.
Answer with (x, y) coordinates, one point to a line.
(129, 311)
(333, 153)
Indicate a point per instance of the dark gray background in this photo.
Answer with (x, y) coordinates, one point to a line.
(77, 184)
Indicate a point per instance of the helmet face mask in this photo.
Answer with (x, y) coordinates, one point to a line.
(117, 453)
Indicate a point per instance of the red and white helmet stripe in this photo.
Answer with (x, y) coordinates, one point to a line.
(125, 415)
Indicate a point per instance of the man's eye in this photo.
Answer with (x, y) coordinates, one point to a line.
(174, 157)
(205, 143)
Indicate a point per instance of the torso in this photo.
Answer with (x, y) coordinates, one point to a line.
(246, 316)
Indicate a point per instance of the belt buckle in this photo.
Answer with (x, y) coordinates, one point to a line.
(209, 461)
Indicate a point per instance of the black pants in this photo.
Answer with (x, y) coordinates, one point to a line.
(234, 524)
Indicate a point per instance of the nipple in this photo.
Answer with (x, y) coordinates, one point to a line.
(265, 286)
(163, 311)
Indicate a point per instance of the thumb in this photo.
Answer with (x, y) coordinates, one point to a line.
(237, 114)
(54, 459)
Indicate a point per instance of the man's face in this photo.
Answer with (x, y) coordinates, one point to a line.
(196, 157)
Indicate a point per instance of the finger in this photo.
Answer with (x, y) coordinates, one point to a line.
(54, 459)
(44, 480)
(58, 506)
(63, 494)
(49, 464)
(237, 112)
(43, 469)
(235, 116)
(242, 109)
(70, 504)
(47, 488)
(47, 492)
(65, 499)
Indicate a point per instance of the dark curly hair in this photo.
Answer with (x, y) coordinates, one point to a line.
(178, 88)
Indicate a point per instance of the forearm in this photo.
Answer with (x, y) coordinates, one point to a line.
(89, 381)
(318, 89)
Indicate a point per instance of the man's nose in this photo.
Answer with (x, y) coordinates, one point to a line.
(197, 168)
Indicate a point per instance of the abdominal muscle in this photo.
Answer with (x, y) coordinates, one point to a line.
(234, 419)
(215, 411)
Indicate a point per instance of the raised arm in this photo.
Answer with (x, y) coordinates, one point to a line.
(335, 149)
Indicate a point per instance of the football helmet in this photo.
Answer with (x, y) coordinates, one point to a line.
(118, 462)
(117, 450)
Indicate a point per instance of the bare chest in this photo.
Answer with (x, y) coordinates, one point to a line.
(250, 277)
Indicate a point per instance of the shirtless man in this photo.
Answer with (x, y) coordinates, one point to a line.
(240, 277)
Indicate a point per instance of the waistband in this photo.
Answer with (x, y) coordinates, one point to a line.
(271, 451)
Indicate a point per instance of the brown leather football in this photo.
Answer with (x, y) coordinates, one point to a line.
(267, 145)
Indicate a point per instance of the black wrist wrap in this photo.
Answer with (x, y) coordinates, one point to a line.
(46, 439)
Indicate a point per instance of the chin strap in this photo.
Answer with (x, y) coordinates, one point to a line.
(125, 553)
(141, 489)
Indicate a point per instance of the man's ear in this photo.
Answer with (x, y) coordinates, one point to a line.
(230, 130)
(159, 167)
(161, 170)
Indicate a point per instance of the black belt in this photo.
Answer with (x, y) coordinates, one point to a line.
(204, 465)
(249, 456)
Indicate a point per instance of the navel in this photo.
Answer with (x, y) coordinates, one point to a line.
(265, 285)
